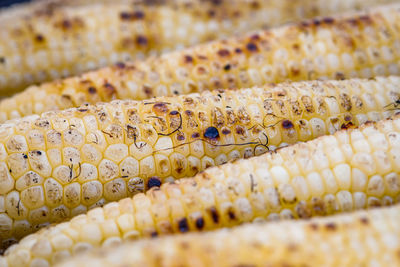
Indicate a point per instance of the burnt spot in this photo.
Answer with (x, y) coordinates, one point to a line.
(180, 137)
(39, 38)
(314, 226)
(238, 51)
(345, 101)
(132, 15)
(153, 234)
(199, 223)
(153, 182)
(296, 46)
(231, 214)
(348, 118)
(255, 37)
(25, 156)
(316, 22)
(141, 40)
(66, 24)
(147, 90)
(92, 90)
(160, 108)
(366, 19)
(252, 47)
(120, 65)
(287, 124)
(211, 13)
(330, 226)
(240, 130)
(328, 20)
(188, 59)
(227, 67)
(226, 131)
(216, 2)
(364, 220)
(183, 225)
(211, 133)
(189, 113)
(2, 60)
(174, 113)
(214, 214)
(110, 89)
(223, 52)
(195, 135)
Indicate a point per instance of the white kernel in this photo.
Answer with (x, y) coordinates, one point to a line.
(315, 184)
(343, 176)
(280, 175)
(376, 186)
(345, 200)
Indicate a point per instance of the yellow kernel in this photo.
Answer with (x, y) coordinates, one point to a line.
(28, 179)
(17, 143)
(6, 181)
(140, 150)
(72, 195)
(107, 170)
(164, 145)
(92, 191)
(116, 152)
(53, 192)
(115, 189)
(33, 197)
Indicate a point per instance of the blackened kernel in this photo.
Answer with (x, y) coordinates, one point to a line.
(223, 52)
(110, 88)
(216, 2)
(141, 40)
(199, 223)
(211, 133)
(226, 131)
(183, 225)
(255, 37)
(66, 24)
(132, 15)
(175, 92)
(120, 65)
(25, 156)
(180, 137)
(174, 112)
(330, 226)
(214, 214)
(195, 135)
(92, 90)
(238, 51)
(147, 90)
(153, 234)
(188, 59)
(189, 112)
(316, 22)
(39, 38)
(328, 20)
(251, 47)
(231, 214)
(364, 220)
(314, 226)
(211, 13)
(138, 14)
(2, 60)
(227, 67)
(287, 124)
(153, 182)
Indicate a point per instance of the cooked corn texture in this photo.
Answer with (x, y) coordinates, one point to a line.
(63, 163)
(60, 39)
(350, 170)
(363, 238)
(362, 44)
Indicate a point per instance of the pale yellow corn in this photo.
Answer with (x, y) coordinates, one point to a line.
(58, 39)
(350, 170)
(358, 44)
(64, 163)
(363, 238)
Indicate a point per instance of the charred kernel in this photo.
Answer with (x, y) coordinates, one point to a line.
(189, 113)
(251, 47)
(183, 225)
(160, 108)
(92, 90)
(211, 133)
(223, 52)
(153, 234)
(314, 226)
(200, 223)
(231, 214)
(195, 135)
(331, 226)
(174, 112)
(132, 15)
(316, 22)
(287, 124)
(328, 20)
(39, 38)
(153, 182)
(141, 40)
(188, 59)
(120, 65)
(226, 131)
(180, 136)
(214, 214)
(364, 220)
(227, 67)
(238, 51)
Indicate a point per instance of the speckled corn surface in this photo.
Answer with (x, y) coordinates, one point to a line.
(363, 238)
(58, 39)
(350, 170)
(354, 45)
(63, 163)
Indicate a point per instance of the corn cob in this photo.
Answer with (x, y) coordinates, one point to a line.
(364, 238)
(362, 44)
(350, 170)
(63, 163)
(61, 39)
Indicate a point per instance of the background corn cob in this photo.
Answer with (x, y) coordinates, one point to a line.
(363, 44)
(364, 238)
(59, 39)
(65, 163)
(352, 169)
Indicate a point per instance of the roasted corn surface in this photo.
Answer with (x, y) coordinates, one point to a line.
(363, 238)
(63, 163)
(350, 170)
(359, 44)
(58, 39)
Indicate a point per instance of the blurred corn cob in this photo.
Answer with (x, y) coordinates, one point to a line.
(362, 44)
(350, 170)
(363, 238)
(59, 39)
(65, 163)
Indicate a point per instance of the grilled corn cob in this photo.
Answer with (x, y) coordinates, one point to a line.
(364, 238)
(362, 44)
(352, 169)
(63, 163)
(62, 39)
